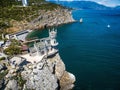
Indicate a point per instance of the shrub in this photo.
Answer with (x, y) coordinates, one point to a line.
(3, 74)
(12, 50)
(2, 58)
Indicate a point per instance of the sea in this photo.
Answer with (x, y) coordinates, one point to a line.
(91, 49)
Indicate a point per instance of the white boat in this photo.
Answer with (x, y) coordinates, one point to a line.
(108, 26)
(81, 20)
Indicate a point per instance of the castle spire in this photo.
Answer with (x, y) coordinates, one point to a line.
(52, 36)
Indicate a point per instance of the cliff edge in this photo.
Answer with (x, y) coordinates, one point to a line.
(48, 74)
(44, 19)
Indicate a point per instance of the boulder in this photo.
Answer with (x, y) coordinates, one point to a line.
(56, 65)
(12, 85)
(48, 74)
(40, 79)
(1, 67)
(1, 83)
(67, 81)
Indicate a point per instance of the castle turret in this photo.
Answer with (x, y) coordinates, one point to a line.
(52, 33)
(52, 36)
(45, 47)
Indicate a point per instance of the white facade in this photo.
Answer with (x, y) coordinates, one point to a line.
(43, 48)
(52, 36)
(18, 35)
(24, 2)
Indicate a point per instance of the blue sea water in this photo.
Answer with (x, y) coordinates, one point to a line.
(91, 50)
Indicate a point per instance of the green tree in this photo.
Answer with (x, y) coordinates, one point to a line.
(15, 42)
(12, 50)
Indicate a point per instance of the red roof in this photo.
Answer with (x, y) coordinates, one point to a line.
(24, 48)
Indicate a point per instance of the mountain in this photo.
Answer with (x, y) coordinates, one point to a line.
(117, 8)
(85, 5)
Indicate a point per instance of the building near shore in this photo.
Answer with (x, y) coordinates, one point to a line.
(21, 35)
(25, 3)
(42, 48)
(45, 46)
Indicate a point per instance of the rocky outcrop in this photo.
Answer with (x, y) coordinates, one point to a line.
(66, 81)
(39, 77)
(51, 18)
(1, 67)
(48, 74)
(1, 83)
(12, 85)
(56, 66)
(45, 19)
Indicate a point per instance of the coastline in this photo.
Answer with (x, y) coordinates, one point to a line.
(36, 73)
(45, 19)
(53, 68)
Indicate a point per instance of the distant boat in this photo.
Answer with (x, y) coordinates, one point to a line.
(108, 26)
(81, 20)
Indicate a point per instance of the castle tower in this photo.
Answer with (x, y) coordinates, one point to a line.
(40, 48)
(25, 3)
(52, 33)
(52, 36)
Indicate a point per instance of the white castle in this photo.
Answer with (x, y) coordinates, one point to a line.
(43, 48)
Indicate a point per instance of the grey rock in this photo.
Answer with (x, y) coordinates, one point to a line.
(50, 18)
(12, 85)
(1, 83)
(45, 75)
(40, 79)
(67, 80)
(1, 67)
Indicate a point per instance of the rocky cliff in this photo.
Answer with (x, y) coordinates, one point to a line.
(48, 74)
(45, 19)
(51, 18)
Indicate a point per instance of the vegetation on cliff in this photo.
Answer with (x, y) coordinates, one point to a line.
(13, 10)
(14, 48)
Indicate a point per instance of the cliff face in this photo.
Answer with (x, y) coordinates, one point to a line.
(45, 19)
(50, 18)
(48, 74)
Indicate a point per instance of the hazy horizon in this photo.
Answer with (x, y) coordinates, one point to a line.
(110, 3)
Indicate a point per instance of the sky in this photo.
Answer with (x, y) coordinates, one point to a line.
(111, 3)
